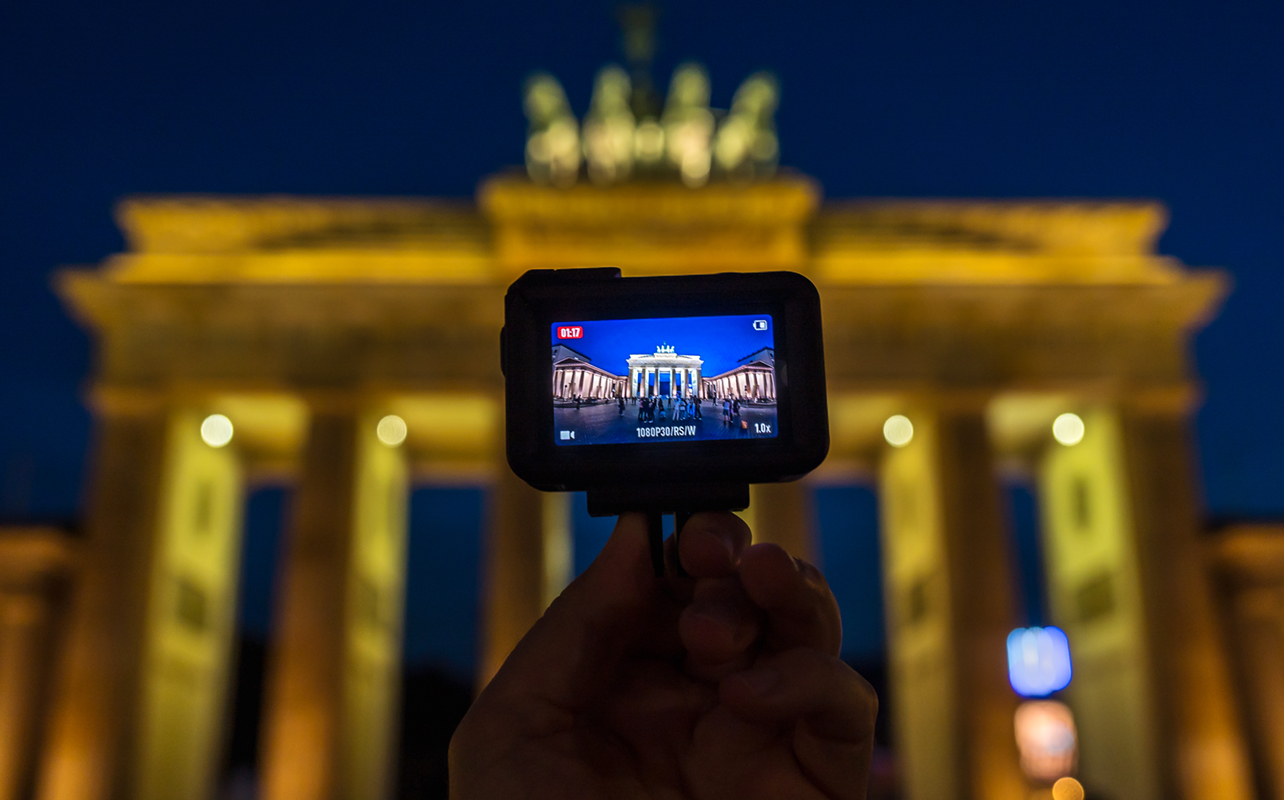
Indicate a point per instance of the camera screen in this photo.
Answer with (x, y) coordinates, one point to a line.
(622, 381)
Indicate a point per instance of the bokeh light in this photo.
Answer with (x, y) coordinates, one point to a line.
(1038, 661)
(1067, 789)
(216, 430)
(1047, 740)
(391, 430)
(898, 430)
(1068, 429)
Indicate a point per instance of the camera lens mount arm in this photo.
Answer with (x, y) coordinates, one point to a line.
(656, 500)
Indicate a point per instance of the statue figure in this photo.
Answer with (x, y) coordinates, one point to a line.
(746, 146)
(688, 124)
(553, 139)
(609, 128)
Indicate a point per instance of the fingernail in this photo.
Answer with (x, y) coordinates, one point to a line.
(716, 612)
(760, 680)
(725, 542)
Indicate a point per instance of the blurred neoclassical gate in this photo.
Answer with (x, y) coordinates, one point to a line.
(307, 321)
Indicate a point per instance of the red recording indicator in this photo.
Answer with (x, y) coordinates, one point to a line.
(570, 332)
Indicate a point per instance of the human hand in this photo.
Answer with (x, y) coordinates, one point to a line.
(725, 684)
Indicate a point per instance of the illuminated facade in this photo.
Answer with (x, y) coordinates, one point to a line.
(754, 379)
(574, 375)
(307, 321)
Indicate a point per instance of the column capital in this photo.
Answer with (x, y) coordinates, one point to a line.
(32, 557)
(1175, 400)
(108, 400)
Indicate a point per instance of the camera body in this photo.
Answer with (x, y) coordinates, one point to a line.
(677, 389)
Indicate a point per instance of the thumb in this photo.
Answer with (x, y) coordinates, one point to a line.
(577, 644)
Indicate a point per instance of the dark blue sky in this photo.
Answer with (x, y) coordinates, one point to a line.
(720, 341)
(1179, 102)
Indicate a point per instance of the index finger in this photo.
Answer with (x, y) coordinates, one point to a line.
(801, 611)
(576, 646)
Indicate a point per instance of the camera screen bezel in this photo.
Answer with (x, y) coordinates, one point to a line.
(541, 298)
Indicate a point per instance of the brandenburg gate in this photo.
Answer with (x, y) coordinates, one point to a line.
(682, 372)
(349, 348)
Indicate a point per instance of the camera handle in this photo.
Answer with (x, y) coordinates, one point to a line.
(656, 500)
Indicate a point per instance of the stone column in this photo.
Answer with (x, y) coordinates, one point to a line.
(1200, 745)
(33, 567)
(949, 600)
(1127, 580)
(526, 562)
(1249, 563)
(141, 699)
(94, 715)
(1257, 626)
(24, 623)
(333, 683)
(784, 514)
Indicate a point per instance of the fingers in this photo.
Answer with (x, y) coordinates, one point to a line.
(834, 707)
(719, 629)
(720, 624)
(578, 642)
(711, 544)
(801, 611)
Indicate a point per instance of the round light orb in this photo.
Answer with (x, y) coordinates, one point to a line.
(898, 430)
(1068, 429)
(391, 430)
(216, 430)
(1067, 789)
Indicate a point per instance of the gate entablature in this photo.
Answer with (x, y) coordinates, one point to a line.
(353, 309)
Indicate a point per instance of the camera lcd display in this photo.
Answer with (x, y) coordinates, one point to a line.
(624, 381)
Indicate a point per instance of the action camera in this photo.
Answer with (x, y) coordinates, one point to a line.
(663, 394)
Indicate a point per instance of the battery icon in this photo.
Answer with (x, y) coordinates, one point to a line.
(760, 324)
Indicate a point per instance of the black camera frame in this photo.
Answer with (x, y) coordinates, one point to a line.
(666, 477)
(541, 298)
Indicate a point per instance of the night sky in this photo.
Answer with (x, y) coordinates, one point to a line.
(1176, 102)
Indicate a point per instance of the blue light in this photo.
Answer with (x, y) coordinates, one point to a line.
(1038, 661)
